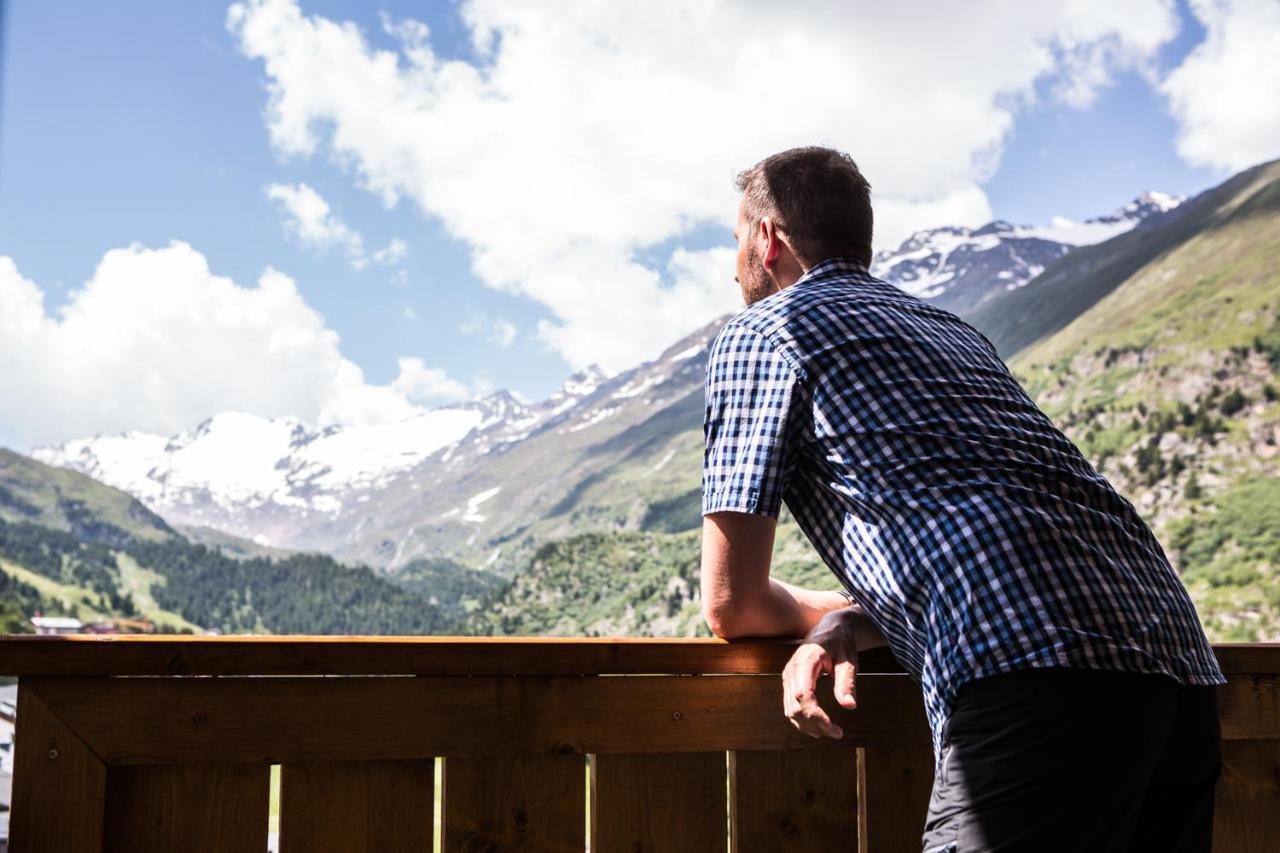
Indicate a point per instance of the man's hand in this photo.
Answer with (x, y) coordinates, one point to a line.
(832, 646)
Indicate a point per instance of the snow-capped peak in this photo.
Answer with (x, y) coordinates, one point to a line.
(236, 460)
(582, 383)
(960, 268)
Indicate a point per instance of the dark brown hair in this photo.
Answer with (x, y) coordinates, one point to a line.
(817, 197)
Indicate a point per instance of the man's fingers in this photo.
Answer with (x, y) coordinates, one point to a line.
(807, 716)
(846, 684)
(799, 692)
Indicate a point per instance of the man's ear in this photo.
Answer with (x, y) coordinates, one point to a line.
(773, 244)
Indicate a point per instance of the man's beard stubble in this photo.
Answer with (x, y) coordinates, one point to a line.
(758, 284)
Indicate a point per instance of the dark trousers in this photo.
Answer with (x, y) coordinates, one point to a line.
(1057, 759)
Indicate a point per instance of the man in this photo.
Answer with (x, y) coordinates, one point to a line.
(1066, 678)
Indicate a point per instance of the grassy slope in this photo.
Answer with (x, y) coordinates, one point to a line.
(630, 583)
(65, 500)
(1081, 279)
(1169, 384)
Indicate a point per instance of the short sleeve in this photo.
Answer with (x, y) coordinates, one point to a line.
(750, 388)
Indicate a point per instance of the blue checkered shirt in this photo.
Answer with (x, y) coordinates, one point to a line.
(969, 528)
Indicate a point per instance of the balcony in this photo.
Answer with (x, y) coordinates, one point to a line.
(149, 743)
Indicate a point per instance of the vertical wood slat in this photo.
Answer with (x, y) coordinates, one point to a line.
(793, 801)
(197, 808)
(1247, 801)
(357, 806)
(59, 785)
(658, 803)
(897, 781)
(532, 802)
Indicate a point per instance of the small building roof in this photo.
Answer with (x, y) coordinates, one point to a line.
(56, 622)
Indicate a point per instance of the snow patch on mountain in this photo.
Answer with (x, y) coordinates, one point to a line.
(472, 512)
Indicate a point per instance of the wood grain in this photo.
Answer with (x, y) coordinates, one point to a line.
(515, 803)
(289, 719)
(897, 783)
(1247, 810)
(1249, 705)
(793, 801)
(196, 808)
(357, 807)
(59, 785)
(665, 803)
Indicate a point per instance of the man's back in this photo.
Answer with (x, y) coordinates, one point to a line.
(968, 527)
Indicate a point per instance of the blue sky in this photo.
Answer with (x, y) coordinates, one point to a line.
(145, 122)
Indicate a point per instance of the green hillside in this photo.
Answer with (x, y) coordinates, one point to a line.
(1080, 279)
(1170, 385)
(62, 499)
(70, 545)
(631, 583)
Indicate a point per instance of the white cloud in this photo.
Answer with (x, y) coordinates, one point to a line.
(418, 381)
(591, 132)
(498, 331)
(394, 252)
(155, 341)
(310, 219)
(1226, 94)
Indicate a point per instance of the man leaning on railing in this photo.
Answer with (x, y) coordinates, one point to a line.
(1067, 680)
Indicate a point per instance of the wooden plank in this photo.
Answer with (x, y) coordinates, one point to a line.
(510, 803)
(1247, 809)
(658, 803)
(793, 801)
(357, 806)
(59, 785)
(897, 782)
(86, 654)
(1249, 705)
(1248, 657)
(196, 808)
(286, 719)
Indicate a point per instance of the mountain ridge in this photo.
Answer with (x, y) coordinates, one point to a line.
(281, 483)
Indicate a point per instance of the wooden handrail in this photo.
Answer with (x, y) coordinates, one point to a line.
(87, 654)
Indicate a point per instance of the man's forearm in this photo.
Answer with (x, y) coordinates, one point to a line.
(785, 611)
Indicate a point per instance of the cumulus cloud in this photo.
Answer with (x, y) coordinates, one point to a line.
(1226, 94)
(156, 341)
(310, 219)
(418, 381)
(587, 134)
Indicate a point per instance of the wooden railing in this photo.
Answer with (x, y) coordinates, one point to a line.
(155, 744)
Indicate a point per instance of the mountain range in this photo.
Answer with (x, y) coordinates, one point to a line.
(1150, 335)
(389, 493)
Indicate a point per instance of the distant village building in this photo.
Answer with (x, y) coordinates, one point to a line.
(56, 624)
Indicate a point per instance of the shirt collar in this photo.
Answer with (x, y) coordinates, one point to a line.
(832, 267)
